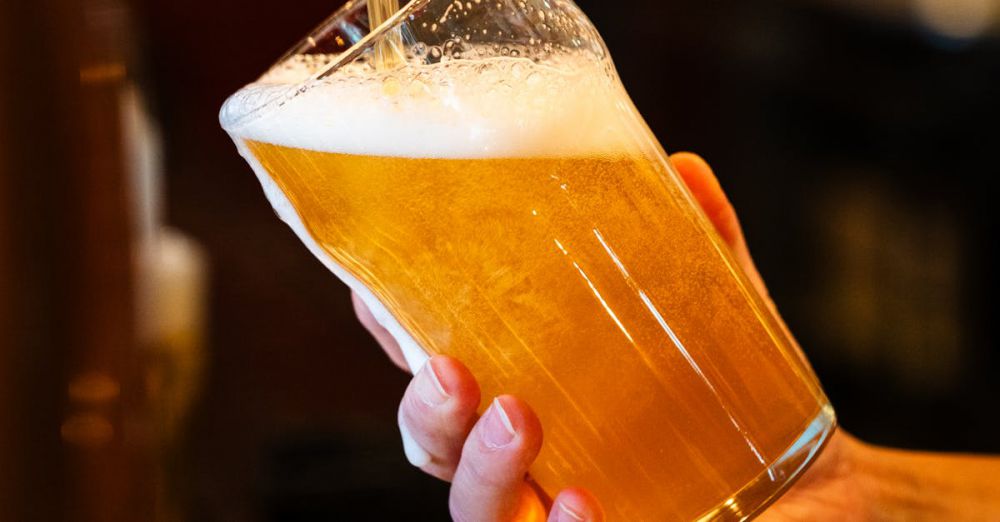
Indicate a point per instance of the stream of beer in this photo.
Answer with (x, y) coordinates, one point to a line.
(389, 49)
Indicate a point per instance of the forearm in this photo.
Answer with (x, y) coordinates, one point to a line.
(903, 485)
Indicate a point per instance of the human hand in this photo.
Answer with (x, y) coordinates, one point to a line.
(486, 458)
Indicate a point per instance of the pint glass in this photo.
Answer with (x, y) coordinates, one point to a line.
(475, 171)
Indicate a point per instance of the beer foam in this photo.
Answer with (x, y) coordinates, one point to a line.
(489, 108)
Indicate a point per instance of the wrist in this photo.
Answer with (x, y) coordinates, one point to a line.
(914, 486)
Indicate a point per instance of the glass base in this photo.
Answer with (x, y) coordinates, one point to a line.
(762, 491)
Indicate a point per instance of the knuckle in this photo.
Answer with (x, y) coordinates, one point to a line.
(415, 421)
(435, 434)
(415, 409)
(448, 419)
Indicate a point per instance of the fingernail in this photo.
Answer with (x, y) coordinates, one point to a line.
(428, 387)
(417, 455)
(497, 429)
(565, 513)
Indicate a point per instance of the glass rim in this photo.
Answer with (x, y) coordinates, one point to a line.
(283, 92)
(361, 45)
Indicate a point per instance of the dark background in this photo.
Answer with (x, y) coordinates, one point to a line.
(858, 149)
(857, 144)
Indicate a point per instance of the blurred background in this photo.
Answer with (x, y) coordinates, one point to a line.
(169, 351)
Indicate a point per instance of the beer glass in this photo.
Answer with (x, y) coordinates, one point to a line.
(475, 171)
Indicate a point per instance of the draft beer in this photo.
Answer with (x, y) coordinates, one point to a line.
(517, 214)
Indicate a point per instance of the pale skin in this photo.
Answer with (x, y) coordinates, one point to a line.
(486, 458)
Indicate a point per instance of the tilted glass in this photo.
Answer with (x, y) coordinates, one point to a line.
(476, 172)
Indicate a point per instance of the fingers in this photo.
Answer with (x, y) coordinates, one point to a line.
(384, 338)
(487, 459)
(705, 188)
(700, 179)
(575, 505)
(437, 412)
(489, 482)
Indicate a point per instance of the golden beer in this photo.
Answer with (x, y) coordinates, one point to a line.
(520, 217)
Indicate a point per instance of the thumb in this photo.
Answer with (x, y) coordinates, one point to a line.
(705, 188)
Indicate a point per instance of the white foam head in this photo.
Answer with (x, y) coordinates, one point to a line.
(500, 107)
(496, 107)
